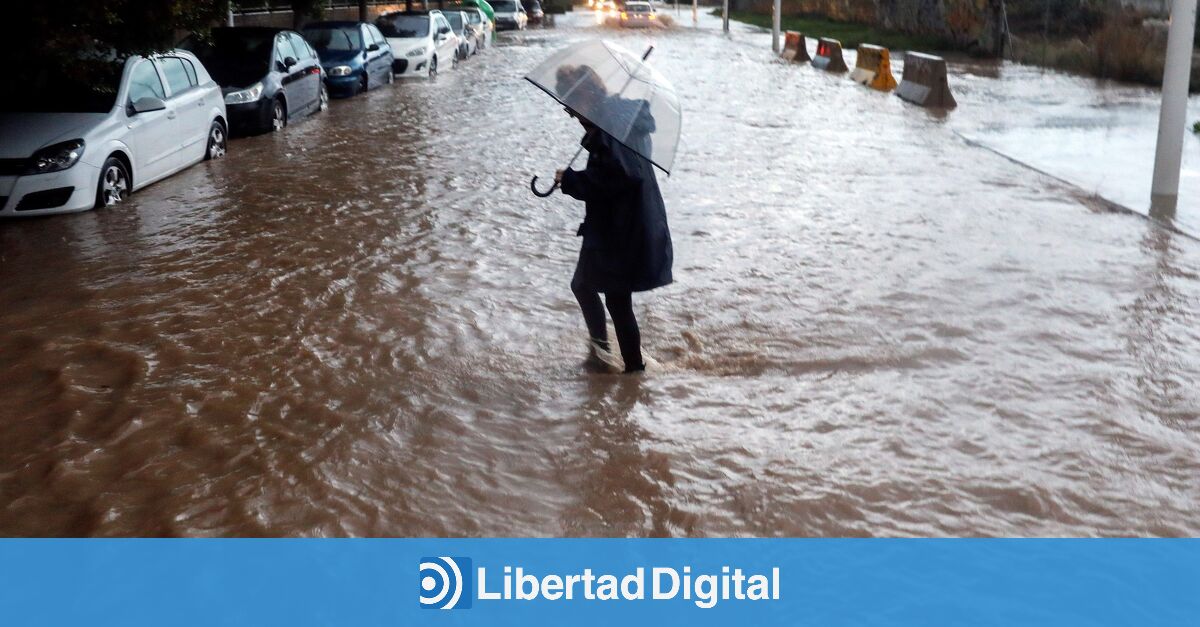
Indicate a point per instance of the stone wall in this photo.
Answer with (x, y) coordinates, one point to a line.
(285, 19)
(970, 24)
(974, 24)
(1155, 8)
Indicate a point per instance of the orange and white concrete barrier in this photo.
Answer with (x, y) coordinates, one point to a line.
(829, 56)
(795, 48)
(874, 68)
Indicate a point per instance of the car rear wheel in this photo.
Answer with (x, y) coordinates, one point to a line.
(217, 141)
(278, 115)
(114, 186)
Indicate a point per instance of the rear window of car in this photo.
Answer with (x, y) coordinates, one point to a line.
(504, 6)
(637, 8)
(178, 77)
(473, 17)
(334, 39)
(404, 26)
(376, 35)
(456, 21)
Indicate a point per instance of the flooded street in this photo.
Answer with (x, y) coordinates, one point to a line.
(362, 326)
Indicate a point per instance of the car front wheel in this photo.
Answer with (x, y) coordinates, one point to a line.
(324, 105)
(217, 141)
(114, 186)
(433, 67)
(278, 115)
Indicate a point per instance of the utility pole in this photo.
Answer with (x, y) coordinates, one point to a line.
(1164, 193)
(776, 17)
(725, 16)
(229, 16)
(695, 15)
(363, 14)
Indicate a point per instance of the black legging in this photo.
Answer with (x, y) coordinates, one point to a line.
(620, 307)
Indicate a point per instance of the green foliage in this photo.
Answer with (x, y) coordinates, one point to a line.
(77, 35)
(1196, 128)
(851, 35)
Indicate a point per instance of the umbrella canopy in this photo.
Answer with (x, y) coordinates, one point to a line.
(615, 90)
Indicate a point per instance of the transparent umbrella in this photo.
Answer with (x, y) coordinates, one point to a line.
(617, 92)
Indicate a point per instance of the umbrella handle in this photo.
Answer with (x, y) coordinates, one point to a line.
(533, 188)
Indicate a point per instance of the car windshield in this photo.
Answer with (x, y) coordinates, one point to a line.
(504, 6)
(456, 21)
(90, 86)
(334, 38)
(235, 56)
(404, 26)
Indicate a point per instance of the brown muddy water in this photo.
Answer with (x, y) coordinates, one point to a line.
(362, 326)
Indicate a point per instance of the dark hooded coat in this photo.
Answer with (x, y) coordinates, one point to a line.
(626, 242)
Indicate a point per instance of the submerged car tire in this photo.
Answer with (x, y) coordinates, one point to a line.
(433, 66)
(113, 186)
(364, 85)
(391, 77)
(218, 141)
(324, 99)
(278, 115)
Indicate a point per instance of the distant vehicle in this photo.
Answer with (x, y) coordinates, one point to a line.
(533, 8)
(510, 15)
(270, 77)
(70, 146)
(606, 10)
(638, 15)
(355, 55)
(467, 44)
(421, 41)
(481, 25)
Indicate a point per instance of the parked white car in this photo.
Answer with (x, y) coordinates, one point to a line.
(510, 15)
(67, 146)
(482, 25)
(468, 45)
(422, 42)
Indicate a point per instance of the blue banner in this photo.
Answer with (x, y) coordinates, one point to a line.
(824, 583)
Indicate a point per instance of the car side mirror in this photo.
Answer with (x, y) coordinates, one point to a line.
(148, 104)
(372, 47)
(289, 62)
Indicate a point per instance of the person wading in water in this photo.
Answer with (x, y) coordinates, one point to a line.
(626, 243)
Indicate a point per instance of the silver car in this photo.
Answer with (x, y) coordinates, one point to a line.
(68, 146)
